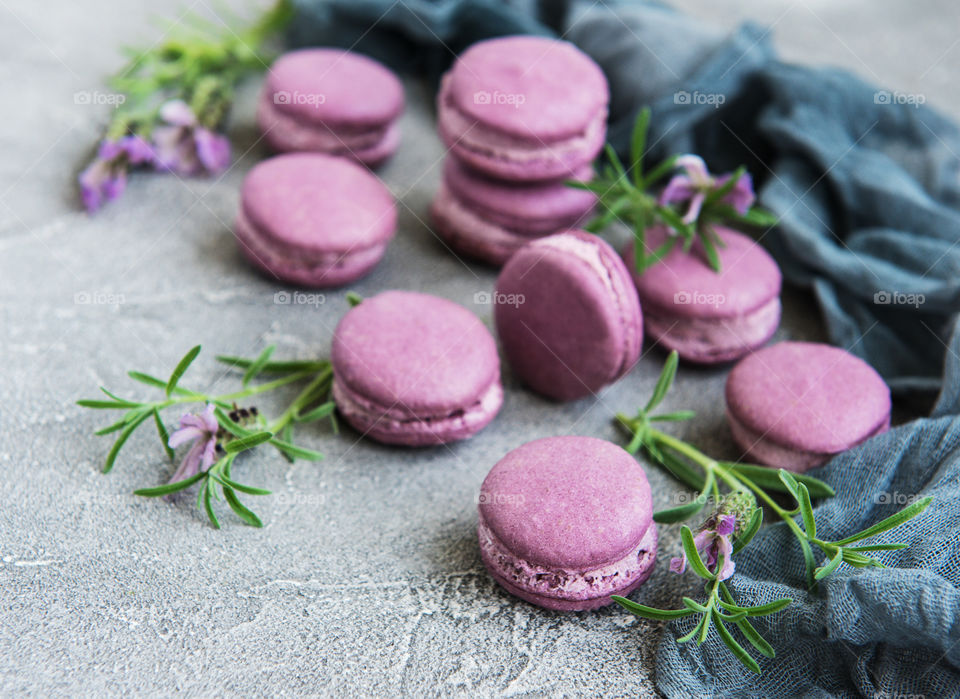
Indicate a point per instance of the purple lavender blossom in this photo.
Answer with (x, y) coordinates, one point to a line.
(696, 182)
(185, 147)
(712, 542)
(202, 431)
(106, 177)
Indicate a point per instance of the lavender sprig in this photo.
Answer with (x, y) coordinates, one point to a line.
(733, 525)
(222, 430)
(177, 95)
(627, 194)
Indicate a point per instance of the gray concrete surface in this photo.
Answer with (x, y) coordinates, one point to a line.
(366, 578)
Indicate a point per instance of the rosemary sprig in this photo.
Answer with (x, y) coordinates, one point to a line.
(626, 194)
(233, 430)
(737, 487)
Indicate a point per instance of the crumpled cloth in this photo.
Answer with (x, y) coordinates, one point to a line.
(867, 187)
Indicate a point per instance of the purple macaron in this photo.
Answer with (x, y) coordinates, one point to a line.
(794, 405)
(707, 316)
(314, 219)
(415, 369)
(567, 315)
(331, 101)
(524, 108)
(491, 219)
(566, 522)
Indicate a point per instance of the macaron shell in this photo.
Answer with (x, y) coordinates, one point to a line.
(531, 87)
(684, 285)
(575, 503)
(335, 87)
(314, 203)
(414, 353)
(808, 397)
(567, 315)
(540, 208)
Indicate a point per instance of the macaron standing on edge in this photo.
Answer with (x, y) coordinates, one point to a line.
(314, 219)
(708, 316)
(794, 405)
(567, 315)
(524, 108)
(415, 369)
(490, 219)
(331, 101)
(566, 522)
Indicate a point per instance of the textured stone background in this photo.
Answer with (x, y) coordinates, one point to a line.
(366, 577)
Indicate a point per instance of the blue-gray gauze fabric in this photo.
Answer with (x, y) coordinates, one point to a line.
(867, 188)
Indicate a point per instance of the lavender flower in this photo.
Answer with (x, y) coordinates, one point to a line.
(183, 146)
(712, 541)
(696, 183)
(106, 177)
(202, 431)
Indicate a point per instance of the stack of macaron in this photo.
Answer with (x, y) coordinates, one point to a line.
(331, 101)
(520, 116)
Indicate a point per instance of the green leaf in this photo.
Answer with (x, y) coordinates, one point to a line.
(769, 479)
(318, 413)
(208, 504)
(650, 612)
(164, 435)
(681, 512)
(734, 617)
(118, 399)
(258, 364)
(753, 526)
(723, 190)
(760, 609)
(664, 382)
(806, 511)
(756, 640)
(168, 488)
(147, 379)
(831, 566)
(354, 299)
(242, 512)
(296, 452)
(734, 647)
(118, 425)
(858, 560)
(638, 144)
(809, 563)
(681, 470)
(615, 161)
(250, 441)
(693, 556)
(890, 522)
(675, 416)
(121, 440)
(276, 367)
(181, 368)
(248, 489)
(229, 425)
(877, 547)
(658, 172)
(702, 625)
(710, 250)
(105, 404)
(790, 483)
(693, 605)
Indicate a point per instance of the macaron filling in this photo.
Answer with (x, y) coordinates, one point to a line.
(411, 427)
(713, 339)
(563, 584)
